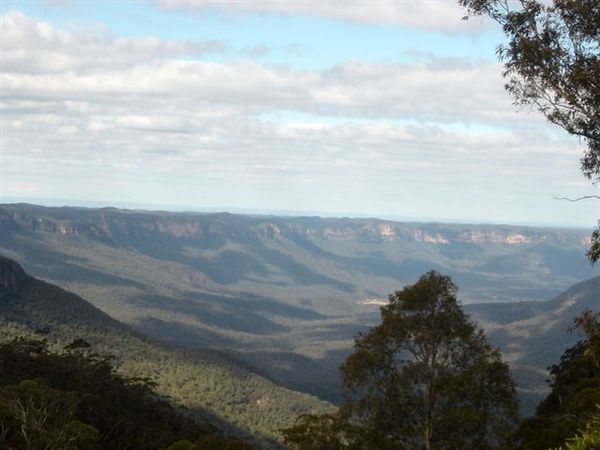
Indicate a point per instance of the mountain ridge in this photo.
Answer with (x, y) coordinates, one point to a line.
(103, 223)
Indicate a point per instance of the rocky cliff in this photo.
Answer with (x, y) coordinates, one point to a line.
(110, 223)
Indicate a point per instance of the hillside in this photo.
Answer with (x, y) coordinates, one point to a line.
(533, 335)
(73, 399)
(208, 384)
(285, 295)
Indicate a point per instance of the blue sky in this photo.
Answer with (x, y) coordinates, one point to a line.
(298, 41)
(364, 108)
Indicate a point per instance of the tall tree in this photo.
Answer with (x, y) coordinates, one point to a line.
(424, 378)
(552, 62)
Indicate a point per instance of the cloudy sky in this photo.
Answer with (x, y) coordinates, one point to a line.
(341, 107)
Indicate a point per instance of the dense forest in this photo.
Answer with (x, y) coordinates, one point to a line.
(211, 386)
(74, 399)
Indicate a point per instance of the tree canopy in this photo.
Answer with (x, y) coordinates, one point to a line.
(426, 377)
(552, 62)
(76, 400)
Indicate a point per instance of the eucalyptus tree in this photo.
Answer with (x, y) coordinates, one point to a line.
(424, 378)
(552, 62)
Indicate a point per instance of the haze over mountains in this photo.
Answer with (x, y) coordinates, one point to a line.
(348, 258)
(287, 295)
(533, 335)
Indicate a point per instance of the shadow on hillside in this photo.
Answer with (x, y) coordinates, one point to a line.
(316, 376)
(59, 266)
(216, 314)
(256, 259)
(233, 431)
(253, 303)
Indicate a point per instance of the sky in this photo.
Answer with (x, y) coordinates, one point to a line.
(360, 108)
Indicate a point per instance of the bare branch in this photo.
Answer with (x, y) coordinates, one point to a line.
(585, 197)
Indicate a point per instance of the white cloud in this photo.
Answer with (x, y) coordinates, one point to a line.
(88, 68)
(432, 15)
(159, 121)
(31, 46)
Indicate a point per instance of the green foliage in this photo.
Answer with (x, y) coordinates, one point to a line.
(183, 445)
(317, 432)
(86, 435)
(575, 394)
(214, 442)
(552, 61)
(33, 415)
(210, 386)
(210, 442)
(424, 378)
(76, 400)
(588, 438)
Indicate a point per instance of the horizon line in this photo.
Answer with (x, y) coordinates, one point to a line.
(153, 207)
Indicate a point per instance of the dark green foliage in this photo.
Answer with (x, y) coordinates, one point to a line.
(211, 442)
(214, 442)
(210, 386)
(552, 61)
(314, 432)
(575, 394)
(33, 415)
(589, 437)
(76, 400)
(424, 378)
(182, 445)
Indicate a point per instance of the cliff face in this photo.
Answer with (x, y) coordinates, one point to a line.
(109, 224)
(12, 276)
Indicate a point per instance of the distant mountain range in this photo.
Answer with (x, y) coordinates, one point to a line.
(286, 295)
(314, 260)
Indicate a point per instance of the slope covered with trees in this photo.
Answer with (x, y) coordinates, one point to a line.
(533, 335)
(76, 400)
(209, 385)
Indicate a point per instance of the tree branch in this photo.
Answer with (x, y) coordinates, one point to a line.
(585, 197)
